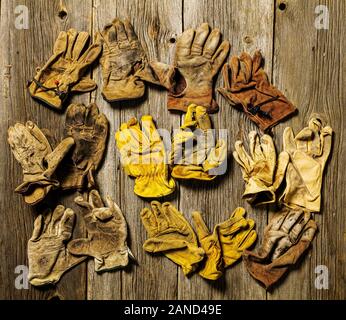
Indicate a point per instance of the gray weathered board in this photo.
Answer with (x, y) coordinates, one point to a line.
(306, 63)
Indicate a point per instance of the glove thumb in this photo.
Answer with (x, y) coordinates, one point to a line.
(79, 247)
(200, 226)
(86, 84)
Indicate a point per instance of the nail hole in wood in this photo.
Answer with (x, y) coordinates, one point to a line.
(62, 14)
(172, 40)
(282, 6)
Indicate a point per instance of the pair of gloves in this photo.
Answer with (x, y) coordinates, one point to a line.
(171, 234)
(300, 166)
(51, 251)
(71, 165)
(194, 155)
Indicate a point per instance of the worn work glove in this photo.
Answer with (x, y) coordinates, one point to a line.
(124, 62)
(198, 58)
(249, 90)
(48, 256)
(89, 129)
(309, 151)
(39, 161)
(262, 172)
(107, 233)
(143, 156)
(194, 152)
(171, 234)
(64, 71)
(286, 238)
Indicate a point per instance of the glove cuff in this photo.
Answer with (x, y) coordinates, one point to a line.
(112, 260)
(257, 193)
(175, 102)
(191, 172)
(127, 89)
(154, 186)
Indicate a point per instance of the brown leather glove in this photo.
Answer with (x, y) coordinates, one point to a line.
(249, 90)
(89, 129)
(198, 58)
(64, 72)
(286, 238)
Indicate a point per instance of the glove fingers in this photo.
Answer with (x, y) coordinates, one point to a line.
(149, 129)
(256, 62)
(131, 35)
(67, 224)
(326, 142)
(121, 33)
(226, 79)
(95, 199)
(289, 143)
(212, 43)
(155, 245)
(243, 156)
(149, 221)
(246, 67)
(91, 114)
(82, 203)
(115, 209)
(75, 115)
(60, 44)
(80, 43)
(53, 228)
(255, 146)
(36, 133)
(190, 118)
(36, 233)
(71, 38)
(282, 164)
(200, 226)
(290, 220)
(220, 55)
(235, 69)
(238, 213)
(248, 240)
(268, 148)
(200, 37)
(202, 118)
(184, 43)
(90, 55)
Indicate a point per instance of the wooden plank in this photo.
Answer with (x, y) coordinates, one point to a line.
(24, 50)
(309, 68)
(155, 22)
(248, 26)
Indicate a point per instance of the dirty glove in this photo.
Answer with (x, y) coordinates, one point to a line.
(171, 234)
(194, 152)
(236, 234)
(262, 172)
(89, 129)
(286, 238)
(309, 151)
(48, 256)
(250, 91)
(107, 233)
(143, 156)
(39, 161)
(198, 58)
(124, 62)
(64, 71)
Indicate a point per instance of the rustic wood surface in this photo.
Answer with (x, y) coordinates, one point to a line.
(305, 63)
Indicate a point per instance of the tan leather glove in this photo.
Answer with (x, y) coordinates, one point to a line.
(124, 62)
(262, 171)
(64, 72)
(107, 233)
(249, 90)
(89, 129)
(286, 238)
(48, 256)
(195, 155)
(309, 151)
(143, 156)
(171, 234)
(39, 161)
(198, 58)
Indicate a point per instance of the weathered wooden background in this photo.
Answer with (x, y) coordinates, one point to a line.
(306, 63)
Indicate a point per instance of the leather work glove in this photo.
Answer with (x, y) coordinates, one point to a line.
(262, 171)
(249, 90)
(309, 151)
(124, 62)
(286, 238)
(198, 58)
(171, 234)
(39, 161)
(143, 156)
(48, 256)
(89, 129)
(107, 233)
(194, 152)
(64, 72)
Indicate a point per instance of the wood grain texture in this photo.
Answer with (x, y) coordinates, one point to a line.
(305, 63)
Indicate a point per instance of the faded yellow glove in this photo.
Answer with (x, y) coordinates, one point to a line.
(262, 172)
(143, 156)
(309, 151)
(236, 235)
(195, 155)
(171, 234)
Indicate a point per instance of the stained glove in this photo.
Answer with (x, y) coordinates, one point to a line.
(64, 72)
(198, 58)
(286, 238)
(39, 161)
(249, 90)
(124, 62)
(262, 172)
(48, 256)
(89, 129)
(309, 151)
(171, 234)
(194, 152)
(107, 233)
(143, 156)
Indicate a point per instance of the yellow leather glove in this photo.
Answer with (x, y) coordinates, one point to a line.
(143, 156)
(262, 171)
(171, 234)
(194, 152)
(309, 151)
